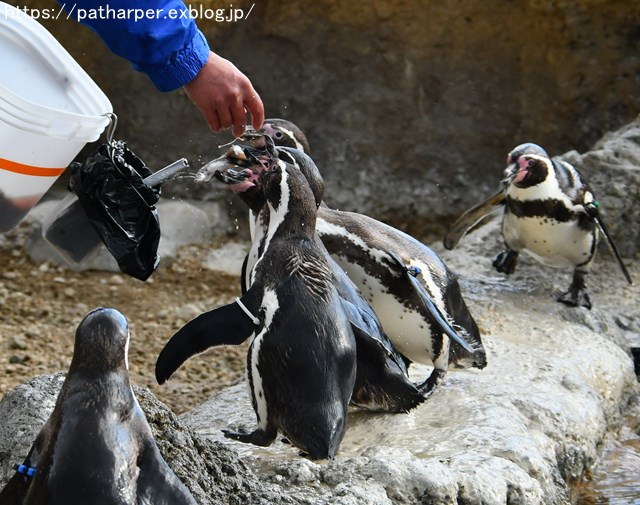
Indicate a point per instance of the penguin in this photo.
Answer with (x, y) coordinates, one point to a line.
(96, 447)
(416, 298)
(382, 382)
(301, 363)
(550, 213)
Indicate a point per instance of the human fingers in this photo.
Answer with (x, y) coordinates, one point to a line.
(226, 120)
(254, 105)
(214, 121)
(239, 118)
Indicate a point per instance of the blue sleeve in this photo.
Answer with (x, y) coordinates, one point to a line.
(154, 35)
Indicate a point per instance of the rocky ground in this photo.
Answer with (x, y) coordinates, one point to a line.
(43, 303)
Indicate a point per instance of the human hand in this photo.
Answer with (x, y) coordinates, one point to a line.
(224, 95)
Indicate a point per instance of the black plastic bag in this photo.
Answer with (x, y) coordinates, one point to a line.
(120, 206)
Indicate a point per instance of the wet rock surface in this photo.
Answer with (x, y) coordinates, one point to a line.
(523, 430)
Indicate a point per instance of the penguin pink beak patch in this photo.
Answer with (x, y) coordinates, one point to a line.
(523, 170)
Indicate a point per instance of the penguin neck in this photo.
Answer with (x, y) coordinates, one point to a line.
(254, 199)
(293, 221)
(547, 188)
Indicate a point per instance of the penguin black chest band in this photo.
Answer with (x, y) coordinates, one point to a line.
(253, 318)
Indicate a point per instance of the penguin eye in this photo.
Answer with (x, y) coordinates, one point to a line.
(278, 135)
(530, 163)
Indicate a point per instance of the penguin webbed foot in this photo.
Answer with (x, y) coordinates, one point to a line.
(506, 262)
(576, 295)
(432, 382)
(258, 437)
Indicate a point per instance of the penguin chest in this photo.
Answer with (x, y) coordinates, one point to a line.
(407, 329)
(554, 243)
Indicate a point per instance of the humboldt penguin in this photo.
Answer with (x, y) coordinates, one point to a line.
(382, 382)
(416, 298)
(550, 213)
(96, 447)
(301, 363)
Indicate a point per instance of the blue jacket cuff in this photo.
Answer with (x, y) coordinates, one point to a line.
(182, 68)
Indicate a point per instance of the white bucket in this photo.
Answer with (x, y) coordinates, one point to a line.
(49, 109)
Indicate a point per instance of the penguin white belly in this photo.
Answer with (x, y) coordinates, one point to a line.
(407, 329)
(552, 243)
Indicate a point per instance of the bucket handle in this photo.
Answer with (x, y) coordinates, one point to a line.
(111, 128)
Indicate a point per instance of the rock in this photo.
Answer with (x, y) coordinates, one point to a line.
(24, 411)
(523, 430)
(612, 168)
(181, 223)
(18, 342)
(227, 259)
(213, 473)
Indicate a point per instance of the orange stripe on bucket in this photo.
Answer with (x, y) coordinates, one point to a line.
(19, 168)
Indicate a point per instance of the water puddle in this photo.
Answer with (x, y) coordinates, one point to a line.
(616, 480)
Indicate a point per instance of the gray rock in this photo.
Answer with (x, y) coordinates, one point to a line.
(23, 412)
(181, 223)
(228, 258)
(612, 168)
(520, 431)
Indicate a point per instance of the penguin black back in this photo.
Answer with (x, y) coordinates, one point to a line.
(97, 447)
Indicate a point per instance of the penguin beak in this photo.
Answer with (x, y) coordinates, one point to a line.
(236, 157)
(508, 174)
(516, 171)
(231, 177)
(238, 181)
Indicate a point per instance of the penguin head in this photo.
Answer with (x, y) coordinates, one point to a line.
(286, 134)
(526, 148)
(530, 170)
(102, 342)
(307, 166)
(514, 154)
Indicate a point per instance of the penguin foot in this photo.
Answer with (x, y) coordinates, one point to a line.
(506, 261)
(576, 298)
(259, 437)
(433, 381)
(577, 295)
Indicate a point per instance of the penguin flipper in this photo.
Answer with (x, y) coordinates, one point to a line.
(157, 483)
(456, 306)
(437, 315)
(470, 217)
(15, 491)
(382, 383)
(593, 209)
(227, 325)
(412, 273)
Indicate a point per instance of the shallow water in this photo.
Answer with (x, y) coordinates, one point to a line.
(616, 480)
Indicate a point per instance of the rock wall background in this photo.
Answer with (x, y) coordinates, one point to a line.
(410, 105)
